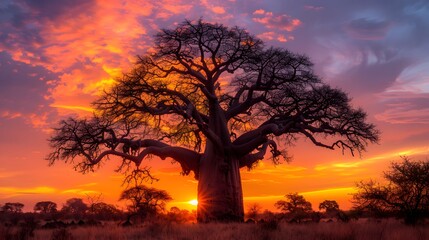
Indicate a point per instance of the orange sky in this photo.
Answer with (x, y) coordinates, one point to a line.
(57, 58)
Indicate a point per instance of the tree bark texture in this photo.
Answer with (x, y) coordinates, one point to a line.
(220, 195)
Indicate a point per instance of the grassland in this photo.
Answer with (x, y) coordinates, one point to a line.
(360, 230)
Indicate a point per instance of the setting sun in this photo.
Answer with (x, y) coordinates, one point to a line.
(193, 202)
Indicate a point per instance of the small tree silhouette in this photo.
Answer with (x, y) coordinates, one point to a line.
(45, 207)
(105, 211)
(253, 211)
(13, 207)
(75, 207)
(296, 206)
(330, 207)
(145, 201)
(407, 191)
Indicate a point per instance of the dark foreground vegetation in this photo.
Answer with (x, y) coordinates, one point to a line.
(362, 229)
(296, 220)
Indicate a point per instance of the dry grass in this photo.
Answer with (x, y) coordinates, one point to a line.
(386, 229)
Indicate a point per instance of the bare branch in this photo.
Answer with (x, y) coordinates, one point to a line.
(250, 159)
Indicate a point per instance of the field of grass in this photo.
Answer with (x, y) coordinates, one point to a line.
(360, 230)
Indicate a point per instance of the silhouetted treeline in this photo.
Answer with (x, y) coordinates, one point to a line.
(405, 196)
(74, 209)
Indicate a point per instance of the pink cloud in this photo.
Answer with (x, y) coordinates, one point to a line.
(218, 10)
(270, 36)
(213, 8)
(10, 115)
(259, 12)
(405, 108)
(270, 20)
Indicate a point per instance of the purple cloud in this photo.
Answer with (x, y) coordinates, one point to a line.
(367, 29)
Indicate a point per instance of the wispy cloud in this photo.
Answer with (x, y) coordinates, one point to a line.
(9, 174)
(7, 192)
(79, 191)
(336, 190)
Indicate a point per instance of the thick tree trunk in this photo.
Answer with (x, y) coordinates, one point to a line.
(220, 196)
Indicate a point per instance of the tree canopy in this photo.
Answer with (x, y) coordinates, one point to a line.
(75, 206)
(294, 203)
(145, 201)
(329, 206)
(406, 191)
(260, 92)
(45, 207)
(13, 207)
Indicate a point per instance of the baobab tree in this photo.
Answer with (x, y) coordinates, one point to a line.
(215, 100)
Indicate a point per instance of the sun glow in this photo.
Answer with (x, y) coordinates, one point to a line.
(193, 202)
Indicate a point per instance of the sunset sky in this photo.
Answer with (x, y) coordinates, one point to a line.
(57, 56)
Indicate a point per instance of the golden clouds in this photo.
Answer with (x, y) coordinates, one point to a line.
(79, 191)
(8, 192)
(89, 49)
(71, 107)
(336, 190)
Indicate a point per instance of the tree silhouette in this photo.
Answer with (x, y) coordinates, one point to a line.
(295, 205)
(180, 215)
(105, 211)
(214, 99)
(332, 209)
(13, 207)
(145, 201)
(330, 206)
(45, 207)
(407, 191)
(253, 211)
(75, 207)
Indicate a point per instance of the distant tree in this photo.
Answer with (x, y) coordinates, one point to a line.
(406, 191)
(75, 207)
(13, 207)
(180, 215)
(253, 211)
(105, 211)
(269, 216)
(92, 201)
(329, 206)
(215, 100)
(145, 201)
(295, 205)
(45, 207)
(332, 210)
